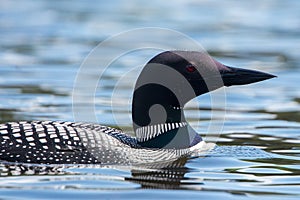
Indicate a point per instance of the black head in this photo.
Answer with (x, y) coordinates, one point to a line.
(169, 81)
(204, 73)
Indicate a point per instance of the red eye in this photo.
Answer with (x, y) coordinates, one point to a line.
(190, 68)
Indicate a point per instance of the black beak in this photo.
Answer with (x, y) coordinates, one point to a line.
(236, 76)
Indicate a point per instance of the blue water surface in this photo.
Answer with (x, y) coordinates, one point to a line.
(43, 43)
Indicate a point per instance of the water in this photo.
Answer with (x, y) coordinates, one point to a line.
(43, 44)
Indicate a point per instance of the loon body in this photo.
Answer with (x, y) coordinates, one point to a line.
(167, 82)
(50, 142)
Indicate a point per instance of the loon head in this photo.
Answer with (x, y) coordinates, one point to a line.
(167, 82)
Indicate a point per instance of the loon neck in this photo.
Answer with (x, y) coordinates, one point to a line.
(158, 119)
(168, 136)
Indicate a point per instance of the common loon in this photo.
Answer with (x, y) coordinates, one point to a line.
(167, 82)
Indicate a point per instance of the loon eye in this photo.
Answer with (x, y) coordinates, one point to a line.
(190, 68)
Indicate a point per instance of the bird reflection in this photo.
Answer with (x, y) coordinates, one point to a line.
(167, 175)
(160, 176)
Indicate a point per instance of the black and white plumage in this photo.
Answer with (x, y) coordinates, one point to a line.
(59, 142)
(164, 137)
(50, 142)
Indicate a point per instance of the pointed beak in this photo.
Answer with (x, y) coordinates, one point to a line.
(236, 76)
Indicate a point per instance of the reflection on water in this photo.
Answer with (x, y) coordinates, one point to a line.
(252, 176)
(43, 44)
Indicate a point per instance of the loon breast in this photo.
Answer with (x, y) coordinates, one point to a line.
(160, 136)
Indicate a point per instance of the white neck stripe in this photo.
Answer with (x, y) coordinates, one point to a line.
(146, 133)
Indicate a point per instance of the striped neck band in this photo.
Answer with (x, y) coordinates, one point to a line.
(146, 133)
